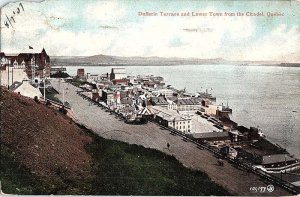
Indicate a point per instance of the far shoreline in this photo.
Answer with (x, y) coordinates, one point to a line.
(200, 64)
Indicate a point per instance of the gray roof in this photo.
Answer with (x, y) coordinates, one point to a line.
(159, 100)
(189, 101)
(209, 135)
(171, 118)
(15, 85)
(278, 158)
(173, 98)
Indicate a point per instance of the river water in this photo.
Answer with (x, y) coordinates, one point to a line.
(263, 96)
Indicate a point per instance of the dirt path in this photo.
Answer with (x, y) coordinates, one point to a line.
(152, 136)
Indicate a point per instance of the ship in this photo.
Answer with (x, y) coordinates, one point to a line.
(206, 95)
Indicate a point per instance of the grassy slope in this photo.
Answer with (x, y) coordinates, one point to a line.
(15, 178)
(123, 169)
(115, 168)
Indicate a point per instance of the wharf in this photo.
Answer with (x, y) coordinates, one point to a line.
(237, 182)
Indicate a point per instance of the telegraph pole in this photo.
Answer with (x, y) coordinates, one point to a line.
(12, 75)
(63, 94)
(34, 68)
(32, 72)
(45, 84)
(8, 77)
(9, 62)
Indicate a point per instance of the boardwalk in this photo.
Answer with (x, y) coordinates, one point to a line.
(152, 136)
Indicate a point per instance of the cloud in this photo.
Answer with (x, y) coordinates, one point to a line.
(275, 45)
(102, 33)
(177, 36)
(201, 30)
(104, 11)
(108, 27)
(160, 36)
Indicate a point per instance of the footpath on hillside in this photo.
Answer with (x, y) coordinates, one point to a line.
(107, 125)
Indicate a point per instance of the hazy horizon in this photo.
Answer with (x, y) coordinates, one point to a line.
(124, 28)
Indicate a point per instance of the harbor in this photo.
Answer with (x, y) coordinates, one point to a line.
(255, 103)
(197, 123)
(151, 135)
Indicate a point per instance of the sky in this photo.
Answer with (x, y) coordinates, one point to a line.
(91, 27)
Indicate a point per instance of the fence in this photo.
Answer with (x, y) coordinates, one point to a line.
(54, 103)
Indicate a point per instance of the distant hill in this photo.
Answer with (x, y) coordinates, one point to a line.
(130, 61)
(106, 60)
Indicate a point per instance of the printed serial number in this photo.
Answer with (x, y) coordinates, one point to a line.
(269, 188)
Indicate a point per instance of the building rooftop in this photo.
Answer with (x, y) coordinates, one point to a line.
(170, 115)
(278, 158)
(159, 101)
(173, 98)
(189, 101)
(209, 135)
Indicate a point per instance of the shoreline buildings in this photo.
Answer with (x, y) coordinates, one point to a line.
(195, 115)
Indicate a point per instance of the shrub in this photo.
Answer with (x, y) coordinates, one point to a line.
(36, 99)
(63, 110)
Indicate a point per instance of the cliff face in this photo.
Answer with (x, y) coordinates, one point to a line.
(46, 143)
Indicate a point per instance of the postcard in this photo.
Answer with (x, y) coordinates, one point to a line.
(150, 98)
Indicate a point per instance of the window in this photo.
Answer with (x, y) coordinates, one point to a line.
(180, 127)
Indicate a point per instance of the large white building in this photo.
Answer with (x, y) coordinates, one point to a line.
(170, 118)
(117, 73)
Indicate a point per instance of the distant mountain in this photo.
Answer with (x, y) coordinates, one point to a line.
(132, 61)
(106, 60)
